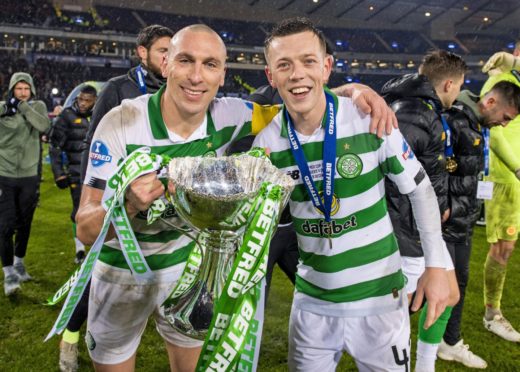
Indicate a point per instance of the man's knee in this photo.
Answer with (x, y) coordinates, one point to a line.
(182, 359)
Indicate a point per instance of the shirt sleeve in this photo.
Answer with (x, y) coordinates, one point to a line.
(399, 163)
(106, 150)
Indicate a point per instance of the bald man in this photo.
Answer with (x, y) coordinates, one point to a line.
(182, 119)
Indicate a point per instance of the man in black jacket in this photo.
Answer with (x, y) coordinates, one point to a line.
(66, 137)
(152, 47)
(66, 142)
(468, 145)
(467, 118)
(418, 100)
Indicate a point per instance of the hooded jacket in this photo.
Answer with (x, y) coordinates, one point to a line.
(67, 134)
(20, 133)
(468, 147)
(417, 108)
(114, 92)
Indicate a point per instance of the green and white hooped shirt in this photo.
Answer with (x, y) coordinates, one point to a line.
(361, 275)
(137, 123)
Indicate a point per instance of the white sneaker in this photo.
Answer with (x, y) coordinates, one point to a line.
(501, 327)
(11, 284)
(460, 353)
(22, 273)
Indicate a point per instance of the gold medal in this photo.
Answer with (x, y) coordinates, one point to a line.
(451, 165)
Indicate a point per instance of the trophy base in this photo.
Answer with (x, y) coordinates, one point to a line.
(192, 311)
(192, 314)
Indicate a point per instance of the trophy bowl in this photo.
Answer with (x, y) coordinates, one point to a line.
(214, 196)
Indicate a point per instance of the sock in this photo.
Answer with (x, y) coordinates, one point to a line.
(18, 260)
(491, 312)
(70, 337)
(8, 270)
(494, 278)
(79, 245)
(426, 356)
(429, 339)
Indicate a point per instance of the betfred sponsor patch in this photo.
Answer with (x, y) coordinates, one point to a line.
(99, 154)
(407, 151)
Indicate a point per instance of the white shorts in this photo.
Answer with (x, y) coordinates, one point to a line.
(118, 313)
(413, 268)
(376, 342)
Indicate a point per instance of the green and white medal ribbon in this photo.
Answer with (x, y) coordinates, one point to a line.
(64, 289)
(235, 310)
(138, 163)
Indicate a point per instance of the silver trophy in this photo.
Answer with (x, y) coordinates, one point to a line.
(213, 196)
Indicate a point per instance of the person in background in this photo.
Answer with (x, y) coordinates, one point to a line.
(66, 141)
(22, 120)
(467, 118)
(152, 46)
(418, 100)
(67, 135)
(503, 209)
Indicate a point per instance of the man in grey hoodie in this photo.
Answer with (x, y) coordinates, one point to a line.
(22, 119)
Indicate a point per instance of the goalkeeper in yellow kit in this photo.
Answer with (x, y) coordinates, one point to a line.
(503, 210)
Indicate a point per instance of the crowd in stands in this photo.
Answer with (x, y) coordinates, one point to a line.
(103, 19)
(33, 12)
(49, 74)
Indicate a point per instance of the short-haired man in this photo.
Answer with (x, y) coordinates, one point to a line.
(151, 48)
(418, 100)
(470, 119)
(66, 137)
(182, 119)
(503, 210)
(349, 282)
(22, 120)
